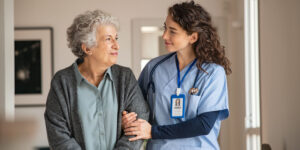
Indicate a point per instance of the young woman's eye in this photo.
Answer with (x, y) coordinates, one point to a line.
(108, 39)
(165, 28)
(117, 38)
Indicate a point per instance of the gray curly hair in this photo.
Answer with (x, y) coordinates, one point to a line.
(84, 30)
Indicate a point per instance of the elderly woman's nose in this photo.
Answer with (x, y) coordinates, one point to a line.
(116, 45)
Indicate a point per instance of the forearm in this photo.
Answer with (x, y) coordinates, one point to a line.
(70, 144)
(58, 131)
(58, 135)
(201, 125)
(124, 144)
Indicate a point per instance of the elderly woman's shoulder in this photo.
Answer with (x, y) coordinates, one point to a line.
(120, 69)
(66, 72)
(63, 76)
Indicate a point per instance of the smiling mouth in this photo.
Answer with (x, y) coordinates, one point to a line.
(167, 43)
(114, 53)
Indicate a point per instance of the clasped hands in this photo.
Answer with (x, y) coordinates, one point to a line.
(139, 128)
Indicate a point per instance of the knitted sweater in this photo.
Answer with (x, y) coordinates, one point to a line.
(64, 127)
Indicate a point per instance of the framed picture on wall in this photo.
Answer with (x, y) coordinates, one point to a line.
(33, 65)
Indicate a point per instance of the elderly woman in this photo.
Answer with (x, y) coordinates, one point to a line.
(86, 100)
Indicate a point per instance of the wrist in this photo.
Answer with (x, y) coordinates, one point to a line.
(154, 131)
(150, 135)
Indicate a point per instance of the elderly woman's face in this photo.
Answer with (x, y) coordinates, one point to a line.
(106, 51)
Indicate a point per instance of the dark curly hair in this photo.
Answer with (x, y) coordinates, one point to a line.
(194, 18)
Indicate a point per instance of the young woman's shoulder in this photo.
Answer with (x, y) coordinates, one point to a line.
(214, 69)
(155, 60)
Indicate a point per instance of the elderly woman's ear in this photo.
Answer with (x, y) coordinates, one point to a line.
(86, 50)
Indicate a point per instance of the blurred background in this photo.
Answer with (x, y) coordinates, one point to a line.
(261, 38)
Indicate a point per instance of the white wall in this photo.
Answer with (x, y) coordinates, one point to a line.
(35, 114)
(280, 83)
(150, 47)
(233, 131)
(59, 15)
(6, 60)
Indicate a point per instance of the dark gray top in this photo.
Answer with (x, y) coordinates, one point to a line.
(64, 127)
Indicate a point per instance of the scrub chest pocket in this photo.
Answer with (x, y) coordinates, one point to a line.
(192, 103)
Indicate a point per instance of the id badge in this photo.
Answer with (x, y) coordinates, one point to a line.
(177, 106)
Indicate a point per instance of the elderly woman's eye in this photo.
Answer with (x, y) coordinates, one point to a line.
(108, 39)
(117, 38)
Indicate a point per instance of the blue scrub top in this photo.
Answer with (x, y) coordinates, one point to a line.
(212, 96)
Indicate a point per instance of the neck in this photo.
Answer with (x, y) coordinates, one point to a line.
(92, 71)
(185, 57)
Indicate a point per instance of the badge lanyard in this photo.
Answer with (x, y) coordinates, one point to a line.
(179, 82)
(178, 100)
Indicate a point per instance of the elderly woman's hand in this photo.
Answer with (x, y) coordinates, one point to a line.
(128, 118)
(141, 128)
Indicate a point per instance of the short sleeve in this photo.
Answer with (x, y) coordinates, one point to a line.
(215, 95)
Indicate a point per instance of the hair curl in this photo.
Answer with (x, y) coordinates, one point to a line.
(194, 18)
(84, 30)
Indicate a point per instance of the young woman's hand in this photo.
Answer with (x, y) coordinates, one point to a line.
(128, 118)
(141, 128)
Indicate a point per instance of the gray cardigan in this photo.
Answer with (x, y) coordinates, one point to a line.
(63, 125)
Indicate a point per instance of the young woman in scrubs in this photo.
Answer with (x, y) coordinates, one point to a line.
(186, 89)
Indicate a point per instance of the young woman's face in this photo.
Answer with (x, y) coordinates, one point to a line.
(106, 51)
(175, 37)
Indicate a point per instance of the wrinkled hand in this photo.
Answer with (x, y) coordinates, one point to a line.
(128, 118)
(141, 128)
